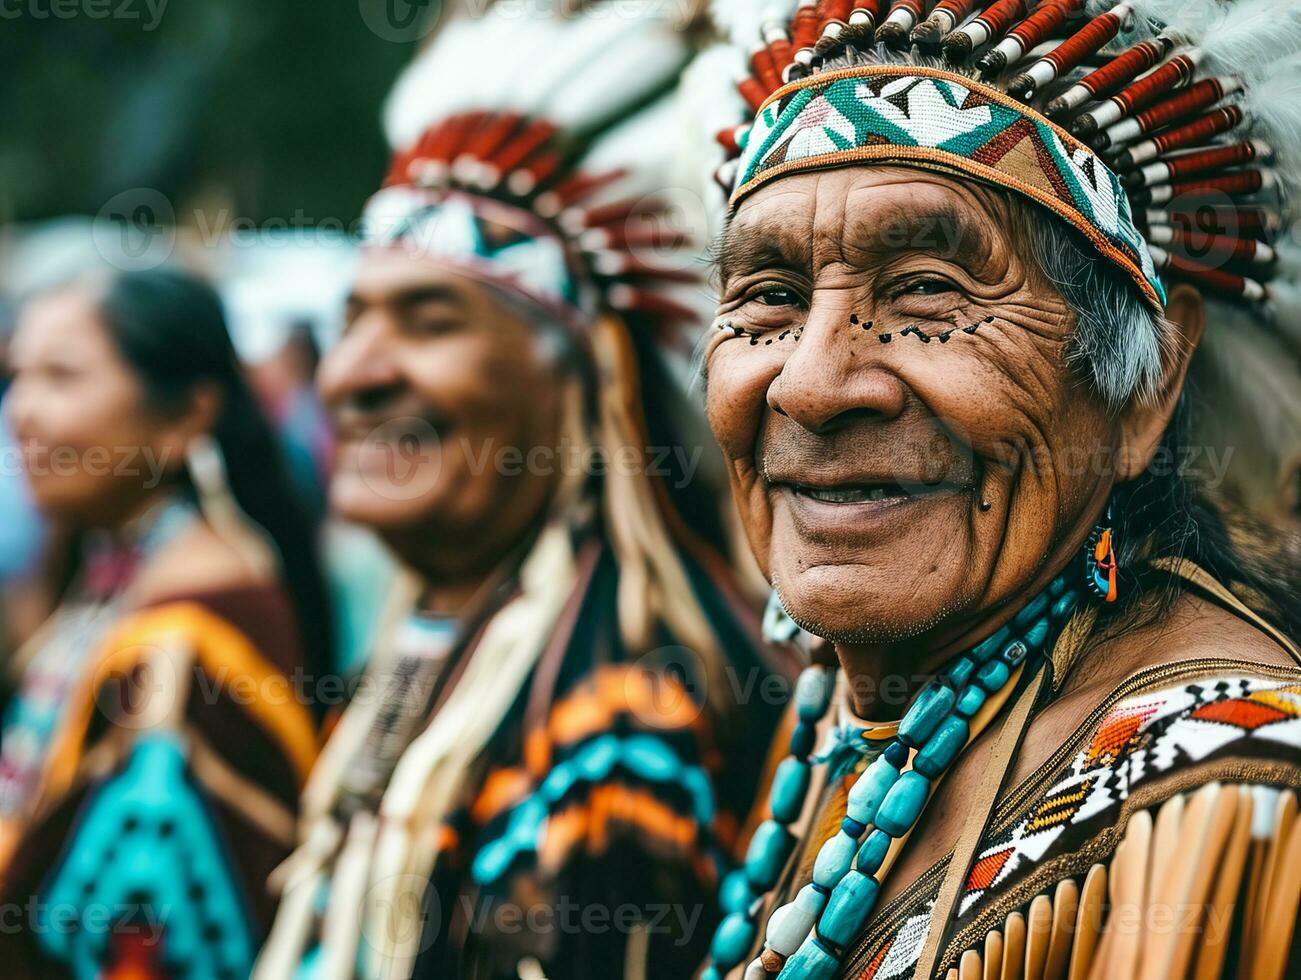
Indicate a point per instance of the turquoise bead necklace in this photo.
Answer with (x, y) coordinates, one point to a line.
(806, 937)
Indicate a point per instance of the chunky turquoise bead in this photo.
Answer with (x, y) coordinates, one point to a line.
(1032, 611)
(970, 701)
(790, 924)
(869, 790)
(711, 973)
(803, 739)
(851, 903)
(942, 747)
(732, 940)
(769, 848)
(852, 827)
(735, 894)
(990, 646)
(872, 854)
(1063, 606)
(833, 860)
(959, 672)
(1037, 635)
(993, 675)
(813, 693)
(903, 804)
(811, 961)
(933, 703)
(896, 753)
(789, 787)
(1058, 586)
(1015, 652)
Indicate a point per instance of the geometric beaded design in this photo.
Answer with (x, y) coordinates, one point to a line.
(1142, 738)
(945, 121)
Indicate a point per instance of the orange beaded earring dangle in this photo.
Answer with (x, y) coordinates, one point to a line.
(1100, 559)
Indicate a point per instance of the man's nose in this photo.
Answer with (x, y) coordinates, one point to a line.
(363, 365)
(836, 373)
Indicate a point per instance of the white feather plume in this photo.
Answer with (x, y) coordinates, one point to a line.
(1186, 18)
(743, 21)
(1274, 106)
(710, 103)
(1251, 36)
(648, 56)
(570, 69)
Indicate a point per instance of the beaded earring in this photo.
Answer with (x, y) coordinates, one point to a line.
(1100, 564)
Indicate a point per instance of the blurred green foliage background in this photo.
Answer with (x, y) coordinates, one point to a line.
(270, 108)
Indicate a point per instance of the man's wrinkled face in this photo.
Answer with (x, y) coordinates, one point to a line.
(888, 381)
(441, 394)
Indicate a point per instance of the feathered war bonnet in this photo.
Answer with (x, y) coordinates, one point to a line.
(532, 151)
(527, 153)
(1167, 132)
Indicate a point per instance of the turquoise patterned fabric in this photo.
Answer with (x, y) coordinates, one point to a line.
(912, 115)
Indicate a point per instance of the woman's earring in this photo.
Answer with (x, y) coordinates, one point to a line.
(217, 503)
(1100, 559)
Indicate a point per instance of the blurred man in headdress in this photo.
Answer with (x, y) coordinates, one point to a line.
(544, 769)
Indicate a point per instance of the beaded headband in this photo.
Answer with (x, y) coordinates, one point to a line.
(1168, 133)
(484, 239)
(944, 121)
(492, 195)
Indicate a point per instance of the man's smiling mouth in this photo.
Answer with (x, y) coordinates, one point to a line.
(874, 493)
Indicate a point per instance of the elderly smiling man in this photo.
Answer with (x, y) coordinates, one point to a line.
(1060, 730)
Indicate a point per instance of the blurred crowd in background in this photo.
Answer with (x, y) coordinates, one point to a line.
(203, 135)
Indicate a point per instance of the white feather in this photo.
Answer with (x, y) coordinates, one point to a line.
(1251, 36)
(708, 89)
(1188, 20)
(1285, 308)
(570, 69)
(710, 103)
(640, 61)
(1273, 105)
(743, 21)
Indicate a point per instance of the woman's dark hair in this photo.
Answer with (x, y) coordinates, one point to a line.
(169, 327)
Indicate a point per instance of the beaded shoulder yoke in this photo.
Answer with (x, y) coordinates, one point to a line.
(1150, 743)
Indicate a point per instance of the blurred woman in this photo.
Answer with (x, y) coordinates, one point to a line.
(154, 751)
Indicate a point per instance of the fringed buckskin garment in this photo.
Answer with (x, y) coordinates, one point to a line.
(1149, 842)
(591, 829)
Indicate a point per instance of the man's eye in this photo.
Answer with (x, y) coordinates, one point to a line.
(778, 296)
(431, 326)
(928, 287)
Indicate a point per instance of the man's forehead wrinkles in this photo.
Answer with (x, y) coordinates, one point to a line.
(768, 240)
(920, 214)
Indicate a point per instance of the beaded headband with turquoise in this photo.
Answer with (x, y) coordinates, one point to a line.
(500, 197)
(939, 120)
(1169, 134)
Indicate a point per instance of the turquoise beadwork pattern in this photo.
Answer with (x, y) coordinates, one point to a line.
(810, 933)
(948, 120)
